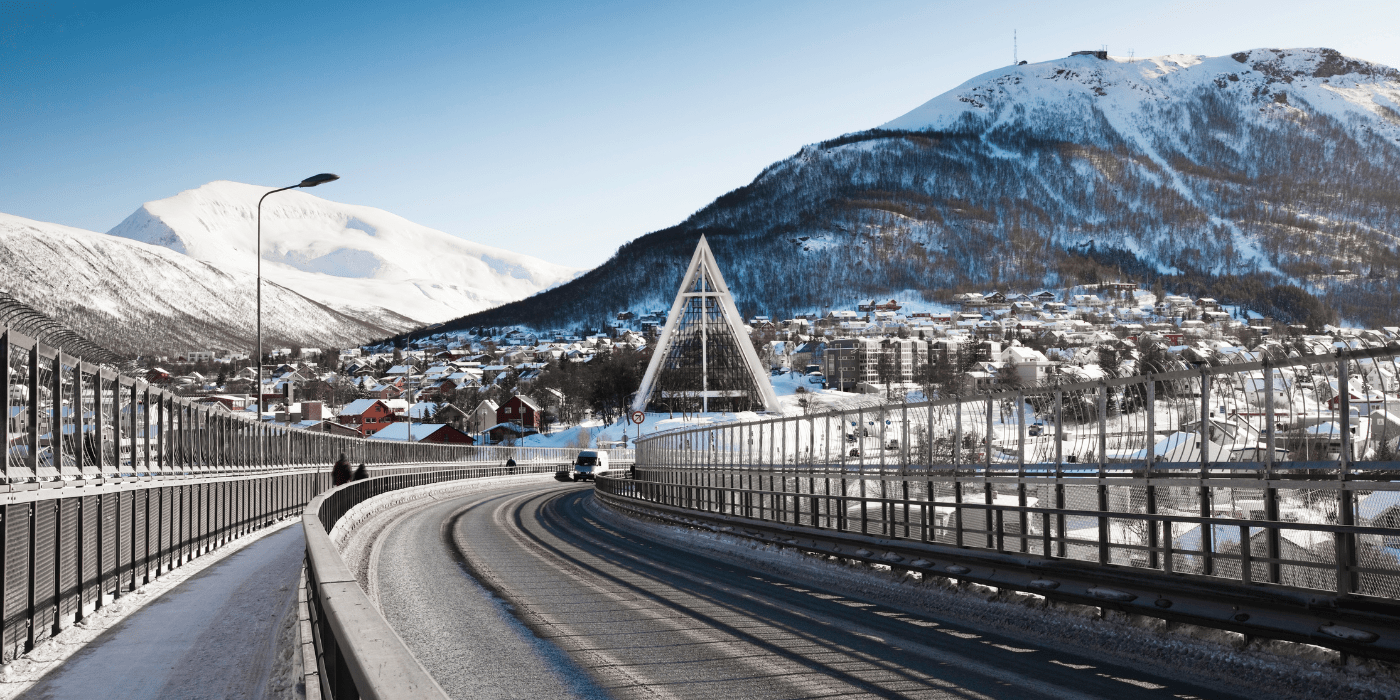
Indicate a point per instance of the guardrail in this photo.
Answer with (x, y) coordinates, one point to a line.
(1155, 504)
(357, 652)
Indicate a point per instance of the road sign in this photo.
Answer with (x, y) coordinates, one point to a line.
(638, 417)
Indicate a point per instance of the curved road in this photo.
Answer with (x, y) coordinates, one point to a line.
(520, 592)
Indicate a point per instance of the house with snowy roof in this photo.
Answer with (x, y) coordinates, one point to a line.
(423, 432)
(367, 416)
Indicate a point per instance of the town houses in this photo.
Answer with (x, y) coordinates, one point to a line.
(491, 385)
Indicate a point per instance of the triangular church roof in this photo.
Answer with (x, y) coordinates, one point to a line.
(701, 283)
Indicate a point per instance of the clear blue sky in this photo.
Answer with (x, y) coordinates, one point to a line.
(556, 129)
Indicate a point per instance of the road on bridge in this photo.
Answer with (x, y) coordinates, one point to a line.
(522, 592)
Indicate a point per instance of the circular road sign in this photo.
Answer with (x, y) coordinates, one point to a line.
(638, 417)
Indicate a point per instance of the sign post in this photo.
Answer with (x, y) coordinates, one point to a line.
(638, 417)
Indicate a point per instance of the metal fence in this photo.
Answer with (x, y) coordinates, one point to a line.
(67, 419)
(1287, 483)
(111, 482)
(66, 552)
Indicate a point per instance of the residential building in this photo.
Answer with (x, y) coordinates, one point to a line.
(522, 410)
(482, 417)
(424, 432)
(368, 416)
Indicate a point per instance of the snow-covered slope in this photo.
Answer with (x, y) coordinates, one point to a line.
(354, 258)
(1233, 176)
(1130, 93)
(135, 298)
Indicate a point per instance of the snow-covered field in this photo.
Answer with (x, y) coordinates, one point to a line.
(786, 387)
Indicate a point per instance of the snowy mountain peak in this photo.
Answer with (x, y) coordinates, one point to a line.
(134, 298)
(349, 256)
(1120, 88)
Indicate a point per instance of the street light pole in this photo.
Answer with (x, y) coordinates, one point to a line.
(312, 181)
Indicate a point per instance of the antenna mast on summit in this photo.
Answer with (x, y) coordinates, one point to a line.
(1014, 55)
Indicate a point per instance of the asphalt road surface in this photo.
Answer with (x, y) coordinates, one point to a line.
(521, 593)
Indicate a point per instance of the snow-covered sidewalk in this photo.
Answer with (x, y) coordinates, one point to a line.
(213, 632)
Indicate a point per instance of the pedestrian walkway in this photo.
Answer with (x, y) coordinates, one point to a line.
(213, 636)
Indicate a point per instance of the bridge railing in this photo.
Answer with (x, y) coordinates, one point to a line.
(1289, 484)
(67, 419)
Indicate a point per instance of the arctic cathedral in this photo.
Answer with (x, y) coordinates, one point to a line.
(704, 361)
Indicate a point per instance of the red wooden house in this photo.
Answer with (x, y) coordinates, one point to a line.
(520, 409)
(368, 416)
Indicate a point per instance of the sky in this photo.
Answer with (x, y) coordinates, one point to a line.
(556, 129)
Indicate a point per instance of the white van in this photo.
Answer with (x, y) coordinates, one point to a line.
(589, 464)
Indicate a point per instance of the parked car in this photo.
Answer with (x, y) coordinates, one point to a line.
(816, 378)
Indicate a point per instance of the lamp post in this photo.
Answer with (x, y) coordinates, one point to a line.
(312, 181)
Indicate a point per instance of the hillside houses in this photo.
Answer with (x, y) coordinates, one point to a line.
(996, 339)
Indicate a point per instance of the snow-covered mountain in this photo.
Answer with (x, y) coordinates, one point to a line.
(1253, 176)
(361, 260)
(133, 297)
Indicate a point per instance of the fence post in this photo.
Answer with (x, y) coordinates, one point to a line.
(31, 511)
(79, 425)
(1207, 531)
(1059, 432)
(1022, 517)
(1271, 534)
(957, 433)
(1103, 427)
(32, 459)
(131, 395)
(146, 443)
(1346, 543)
(1345, 456)
(987, 451)
(56, 422)
(1150, 491)
(5, 392)
(1021, 432)
(989, 516)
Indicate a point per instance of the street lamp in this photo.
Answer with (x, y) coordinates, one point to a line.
(312, 181)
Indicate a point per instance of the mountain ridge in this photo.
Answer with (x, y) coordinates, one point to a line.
(1262, 169)
(136, 298)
